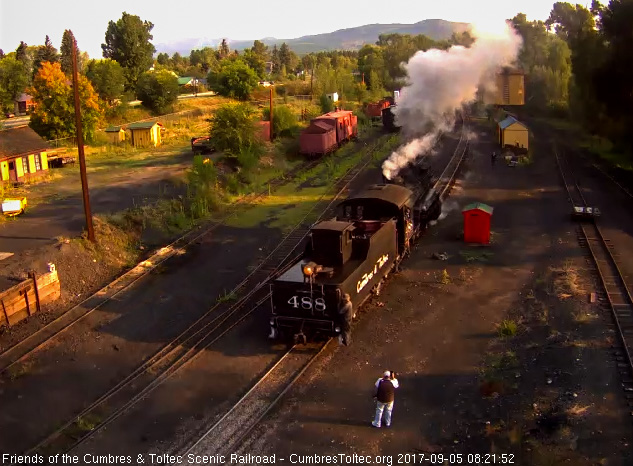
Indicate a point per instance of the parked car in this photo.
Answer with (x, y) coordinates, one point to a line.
(9, 115)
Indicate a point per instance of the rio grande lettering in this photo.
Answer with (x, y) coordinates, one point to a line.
(366, 278)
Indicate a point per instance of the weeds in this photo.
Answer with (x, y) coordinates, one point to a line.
(476, 256)
(227, 297)
(87, 423)
(507, 328)
(444, 278)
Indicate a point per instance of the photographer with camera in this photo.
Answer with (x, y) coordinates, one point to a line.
(384, 396)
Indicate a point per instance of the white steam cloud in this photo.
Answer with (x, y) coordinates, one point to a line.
(439, 82)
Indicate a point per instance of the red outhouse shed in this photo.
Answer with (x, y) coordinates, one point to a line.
(477, 223)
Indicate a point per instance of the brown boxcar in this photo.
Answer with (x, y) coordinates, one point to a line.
(317, 139)
(327, 131)
(374, 110)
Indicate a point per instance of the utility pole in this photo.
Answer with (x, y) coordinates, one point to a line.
(271, 113)
(80, 148)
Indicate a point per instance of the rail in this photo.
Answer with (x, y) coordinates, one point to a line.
(184, 349)
(617, 293)
(56, 327)
(446, 179)
(226, 434)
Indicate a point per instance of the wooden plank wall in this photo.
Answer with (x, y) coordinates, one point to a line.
(25, 298)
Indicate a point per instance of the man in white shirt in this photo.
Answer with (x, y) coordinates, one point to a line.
(384, 395)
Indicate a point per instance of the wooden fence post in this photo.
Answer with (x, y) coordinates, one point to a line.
(26, 300)
(6, 316)
(37, 293)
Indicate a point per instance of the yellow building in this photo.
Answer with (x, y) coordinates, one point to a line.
(115, 134)
(145, 134)
(510, 85)
(513, 134)
(23, 154)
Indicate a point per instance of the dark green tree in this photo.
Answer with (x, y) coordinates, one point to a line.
(233, 79)
(20, 52)
(107, 78)
(128, 42)
(1, 54)
(66, 52)
(613, 83)
(284, 120)
(158, 90)
(13, 80)
(162, 59)
(274, 57)
(45, 53)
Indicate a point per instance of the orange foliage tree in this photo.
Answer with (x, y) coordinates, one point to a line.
(54, 114)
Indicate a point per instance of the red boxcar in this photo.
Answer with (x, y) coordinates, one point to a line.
(374, 110)
(328, 131)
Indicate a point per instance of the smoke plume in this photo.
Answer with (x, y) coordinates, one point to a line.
(439, 82)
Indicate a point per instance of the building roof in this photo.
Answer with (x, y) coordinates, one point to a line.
(184, 80)
(113, 129)
(332, 225)
(478, 206)
(24, 98)
(392, 193)
(339, 114)
(143, 125)
(21, 141)
(503, 124)
(318, 127)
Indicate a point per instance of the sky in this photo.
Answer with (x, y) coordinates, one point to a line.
(235, 19)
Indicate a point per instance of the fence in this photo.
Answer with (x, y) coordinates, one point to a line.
(24, 299)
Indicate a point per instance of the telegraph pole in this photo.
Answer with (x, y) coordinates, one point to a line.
(80, 148)
(271, 113)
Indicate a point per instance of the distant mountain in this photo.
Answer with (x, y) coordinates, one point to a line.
(343, 39)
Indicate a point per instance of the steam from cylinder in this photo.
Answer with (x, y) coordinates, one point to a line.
(440, 82)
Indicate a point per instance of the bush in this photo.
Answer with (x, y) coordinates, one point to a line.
(158, 90)
(233, 129)
(326, 104)
(284, 120)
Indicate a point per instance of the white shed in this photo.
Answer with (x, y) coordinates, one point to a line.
(333, 96)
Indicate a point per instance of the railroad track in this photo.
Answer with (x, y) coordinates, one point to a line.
(215, 323)
(232, 429)
(44, 335)
(446, 180)
(229, 431)
(617, 296)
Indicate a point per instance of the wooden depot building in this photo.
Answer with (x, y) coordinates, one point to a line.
(513, 134)
(23, 154)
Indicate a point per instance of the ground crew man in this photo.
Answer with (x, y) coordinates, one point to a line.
(346, 314)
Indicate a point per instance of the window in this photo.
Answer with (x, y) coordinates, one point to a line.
(38, 162)
(25, 165)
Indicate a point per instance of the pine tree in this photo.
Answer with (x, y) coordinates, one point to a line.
(45, 53)
(67, 52)
(20, 52)
(224, 49)
(1, 54)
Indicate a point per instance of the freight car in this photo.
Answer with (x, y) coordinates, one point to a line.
(352, 253)
(327, 132)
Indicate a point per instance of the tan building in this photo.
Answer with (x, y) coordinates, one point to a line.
(145, 134)
(510, 87)
(115, 134)
(513, 134)
(23, 154)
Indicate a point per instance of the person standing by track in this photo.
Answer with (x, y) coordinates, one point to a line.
(346, 314)
(493, 158)
(384, 395)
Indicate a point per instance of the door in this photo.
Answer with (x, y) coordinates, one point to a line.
(13, 176)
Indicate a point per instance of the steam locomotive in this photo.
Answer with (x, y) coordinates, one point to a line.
(352, 254)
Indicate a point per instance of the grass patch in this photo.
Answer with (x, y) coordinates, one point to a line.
(227, 297)
(444, 277)
(19, 370)
(87, 423)
(476, 256)
(507, 328)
